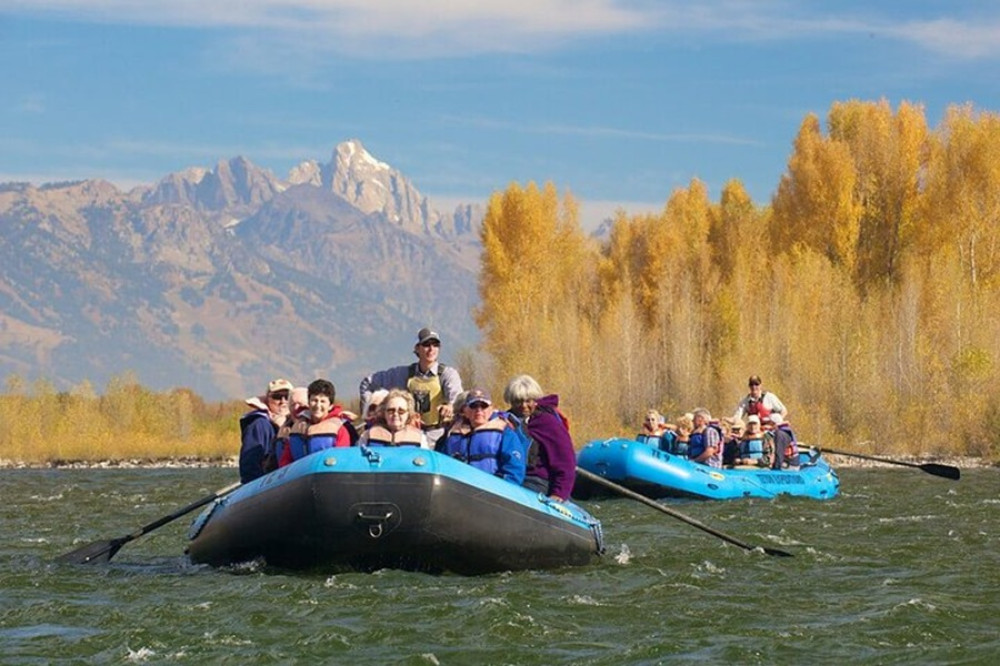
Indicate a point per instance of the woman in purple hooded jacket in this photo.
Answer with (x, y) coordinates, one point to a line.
(551, 456)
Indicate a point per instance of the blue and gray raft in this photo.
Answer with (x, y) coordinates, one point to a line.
(655, 473)
(362, 508)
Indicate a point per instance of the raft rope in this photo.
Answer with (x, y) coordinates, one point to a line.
(371, 454)
(577, 513)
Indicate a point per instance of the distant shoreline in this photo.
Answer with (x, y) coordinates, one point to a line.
(836, 461)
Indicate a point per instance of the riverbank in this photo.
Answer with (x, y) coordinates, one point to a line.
(837, 461)
(130, 463)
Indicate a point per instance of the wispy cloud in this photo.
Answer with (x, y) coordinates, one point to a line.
(957, 39)
(597, 131)
(31, 104)
(403, 28)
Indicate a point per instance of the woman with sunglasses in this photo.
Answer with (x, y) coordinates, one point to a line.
(396, 423)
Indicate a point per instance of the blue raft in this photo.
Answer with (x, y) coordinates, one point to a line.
(362, 508)
(655, 473)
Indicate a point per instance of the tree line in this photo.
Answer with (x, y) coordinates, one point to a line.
(864, 292)
(128, 421)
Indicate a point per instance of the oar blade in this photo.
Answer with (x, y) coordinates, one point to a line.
(97, 552)
(777, 553)
(946, 471)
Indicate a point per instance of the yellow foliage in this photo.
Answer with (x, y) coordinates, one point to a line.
(127, 422)
(866, 294)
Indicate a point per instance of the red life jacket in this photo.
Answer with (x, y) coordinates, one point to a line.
(757, 407)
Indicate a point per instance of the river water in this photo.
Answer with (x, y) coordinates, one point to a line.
(902, 568)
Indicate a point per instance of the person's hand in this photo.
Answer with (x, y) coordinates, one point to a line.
(556, 498)
(446, 412)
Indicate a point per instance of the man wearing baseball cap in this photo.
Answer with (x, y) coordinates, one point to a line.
(259, 427)
(434, 385)
(483, 438)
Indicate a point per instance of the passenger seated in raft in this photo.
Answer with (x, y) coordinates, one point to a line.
(551, 455)
(653, 428)
(371, 409)
(784, 450)
(259, 428)
(732, 434)
(299, 403)
(324, 425)
(483, 438)
(678, 444)
(752, 447)
(396, 423)
(705, 442)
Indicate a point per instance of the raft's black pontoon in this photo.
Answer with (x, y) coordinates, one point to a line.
(370, 508)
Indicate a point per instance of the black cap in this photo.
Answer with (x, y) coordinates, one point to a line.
(425, 334)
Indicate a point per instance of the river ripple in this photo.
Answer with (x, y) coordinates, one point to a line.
(902, 568)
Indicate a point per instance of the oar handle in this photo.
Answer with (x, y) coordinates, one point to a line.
(622, 490)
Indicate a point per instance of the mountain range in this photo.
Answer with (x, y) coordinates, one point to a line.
(220, 279)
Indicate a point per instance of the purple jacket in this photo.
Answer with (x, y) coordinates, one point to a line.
(556, 458)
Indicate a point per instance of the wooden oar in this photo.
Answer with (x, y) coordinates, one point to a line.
(102, 551)
(622, 490)
(946, 471)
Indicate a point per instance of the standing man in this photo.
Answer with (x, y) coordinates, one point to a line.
(259, 426)
(434, 385)
(759, 402)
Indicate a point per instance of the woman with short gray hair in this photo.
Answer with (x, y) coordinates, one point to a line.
(551, 456)
(521, 389)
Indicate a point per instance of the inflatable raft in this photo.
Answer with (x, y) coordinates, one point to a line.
(367, 508)
(655, 473)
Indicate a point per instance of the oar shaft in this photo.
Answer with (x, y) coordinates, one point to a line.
(160, 522)
(622, 490)
(946, 471)
(103, 551)
(867, 457)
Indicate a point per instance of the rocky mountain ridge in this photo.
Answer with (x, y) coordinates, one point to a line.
(217, 279)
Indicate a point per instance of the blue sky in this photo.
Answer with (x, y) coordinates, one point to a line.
(618, 101)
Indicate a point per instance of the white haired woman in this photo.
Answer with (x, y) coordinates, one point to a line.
(551, 456)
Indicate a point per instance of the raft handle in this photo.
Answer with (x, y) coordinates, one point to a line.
(376, 523)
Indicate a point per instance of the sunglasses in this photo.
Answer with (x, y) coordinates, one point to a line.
(430, 343)
(281, 395)
(478, 405)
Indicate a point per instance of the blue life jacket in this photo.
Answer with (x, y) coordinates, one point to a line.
(696, 443)
(310, 438)
(486, 447)
(671, 443)
(656, 441)
(752, 448)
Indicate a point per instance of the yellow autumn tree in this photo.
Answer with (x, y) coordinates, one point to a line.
(889, 151)
(962, 210)
(815, 204)
(529, 280)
